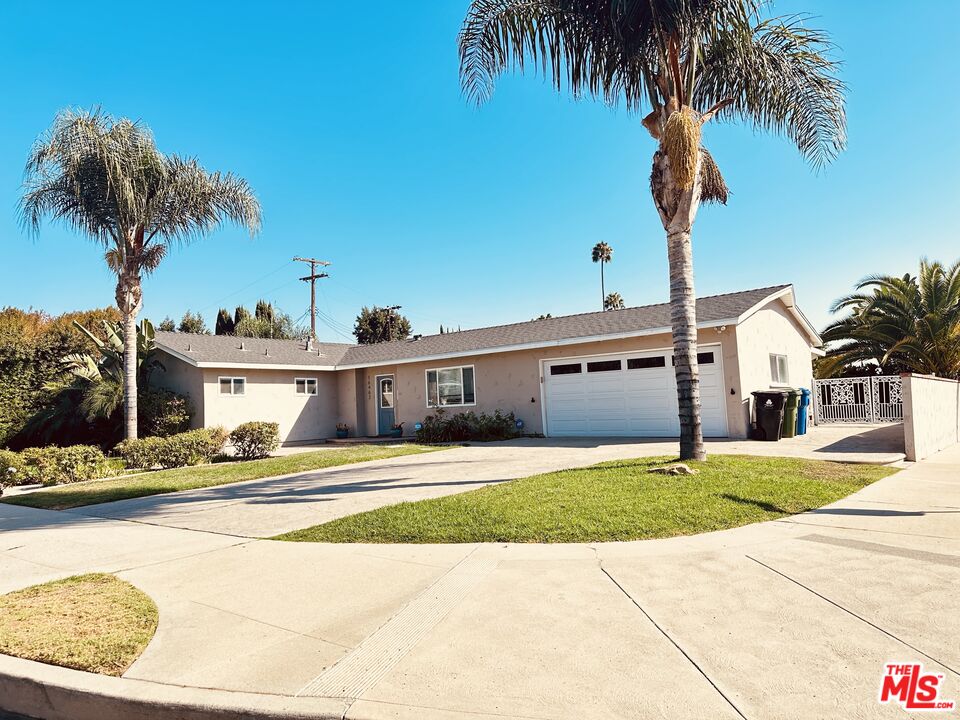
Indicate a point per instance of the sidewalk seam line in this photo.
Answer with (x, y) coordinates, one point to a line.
(672, 641)
(852, 614)
(270, 625)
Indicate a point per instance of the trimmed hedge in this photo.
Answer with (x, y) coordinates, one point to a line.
(441, 427)
(188, 448)
(254, 440)
(54, 465)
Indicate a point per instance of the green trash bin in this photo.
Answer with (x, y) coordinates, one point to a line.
(789, 427)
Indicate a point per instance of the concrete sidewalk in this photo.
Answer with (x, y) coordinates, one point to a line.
(267, 507)
(788, 619)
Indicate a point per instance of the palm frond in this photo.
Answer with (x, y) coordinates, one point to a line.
(780, 76)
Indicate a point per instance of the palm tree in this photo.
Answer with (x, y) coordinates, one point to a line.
(602, 253)
(613, 301)
(899, 323)
(687, 62)
(106, 179)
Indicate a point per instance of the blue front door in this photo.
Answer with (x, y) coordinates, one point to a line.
(386, 415)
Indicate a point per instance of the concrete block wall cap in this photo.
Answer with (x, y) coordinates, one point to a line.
(929, 377)
(49, 692)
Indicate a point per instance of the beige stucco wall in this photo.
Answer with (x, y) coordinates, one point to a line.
(510, 381)
(184, 379)
(270, 395)
(771, 330)
(931, 415)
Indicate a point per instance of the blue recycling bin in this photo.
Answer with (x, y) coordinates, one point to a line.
(803, 411)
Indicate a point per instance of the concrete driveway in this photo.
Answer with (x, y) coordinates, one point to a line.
(263, 508)
(787, 619)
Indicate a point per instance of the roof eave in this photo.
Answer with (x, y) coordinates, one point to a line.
(531, 346)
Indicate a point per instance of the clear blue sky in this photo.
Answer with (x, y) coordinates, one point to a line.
(349, 124)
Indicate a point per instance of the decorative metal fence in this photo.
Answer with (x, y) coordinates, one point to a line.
(858, 399)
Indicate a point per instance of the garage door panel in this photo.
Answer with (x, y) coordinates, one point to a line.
(639, 401)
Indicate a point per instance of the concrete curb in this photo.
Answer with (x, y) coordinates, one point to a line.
(55, 693)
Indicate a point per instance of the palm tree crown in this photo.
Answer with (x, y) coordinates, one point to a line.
(687, 61)
(105, 178)
(613, 301)
(720, 58)
(899, 323)
(601, 253)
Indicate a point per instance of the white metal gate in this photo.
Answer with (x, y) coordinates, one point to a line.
(858, 399)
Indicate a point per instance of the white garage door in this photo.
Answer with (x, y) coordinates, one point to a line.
(628, 394)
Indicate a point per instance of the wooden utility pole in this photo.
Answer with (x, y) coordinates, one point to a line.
(312, 279)
(390, 311)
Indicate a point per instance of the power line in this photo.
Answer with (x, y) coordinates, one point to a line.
(246, 287)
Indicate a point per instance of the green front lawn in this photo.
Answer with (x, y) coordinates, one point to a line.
(64, 497)
(616, 500)
(87, 622)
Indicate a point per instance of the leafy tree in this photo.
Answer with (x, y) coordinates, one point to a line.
(193, 323)
(266, 322)
(380, 325)
(32, 344)
(546, 316)
(84, 398)
(167, 325)
(685, 62)
(106, 179)
(225, 323)
(613, 301)
(241, 313)
(602, 253)
(898, 324)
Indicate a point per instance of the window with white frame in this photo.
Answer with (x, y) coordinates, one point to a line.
(778, 370)
(233, 385)
(305, 386)
(450, 387)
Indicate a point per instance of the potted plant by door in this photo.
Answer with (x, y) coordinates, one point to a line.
(397, 430)
(342, 430)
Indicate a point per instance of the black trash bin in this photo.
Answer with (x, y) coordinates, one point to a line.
(768, 412)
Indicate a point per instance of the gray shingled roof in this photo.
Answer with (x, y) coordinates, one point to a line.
(647, 317)
(226, 349)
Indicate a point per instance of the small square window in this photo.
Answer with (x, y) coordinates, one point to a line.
(232, 385)
(306, 386)
(568, 369)
(779, 373)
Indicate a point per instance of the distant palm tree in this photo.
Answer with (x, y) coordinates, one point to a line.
(613, 301)
(899, 323)
(602, 253)
(106, 179)
(687, 61)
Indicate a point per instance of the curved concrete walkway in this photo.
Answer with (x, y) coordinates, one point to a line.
(788, 619)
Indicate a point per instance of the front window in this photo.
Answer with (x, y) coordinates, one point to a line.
(450, 386)
(778, 370)
(306, 386)
(232, 385)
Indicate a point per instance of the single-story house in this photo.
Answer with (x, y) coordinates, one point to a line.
(594, 374)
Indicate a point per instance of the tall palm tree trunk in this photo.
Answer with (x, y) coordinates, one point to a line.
(678, 209)
(603, 292)
(129, 296)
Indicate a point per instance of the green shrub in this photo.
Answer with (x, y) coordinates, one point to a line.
(54, 465)
(441, 427)
(142, 452)
(254, 440)
(187, 448)
(11, 469)
(163, 412)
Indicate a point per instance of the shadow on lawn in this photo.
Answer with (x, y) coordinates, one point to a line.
(765, 506)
